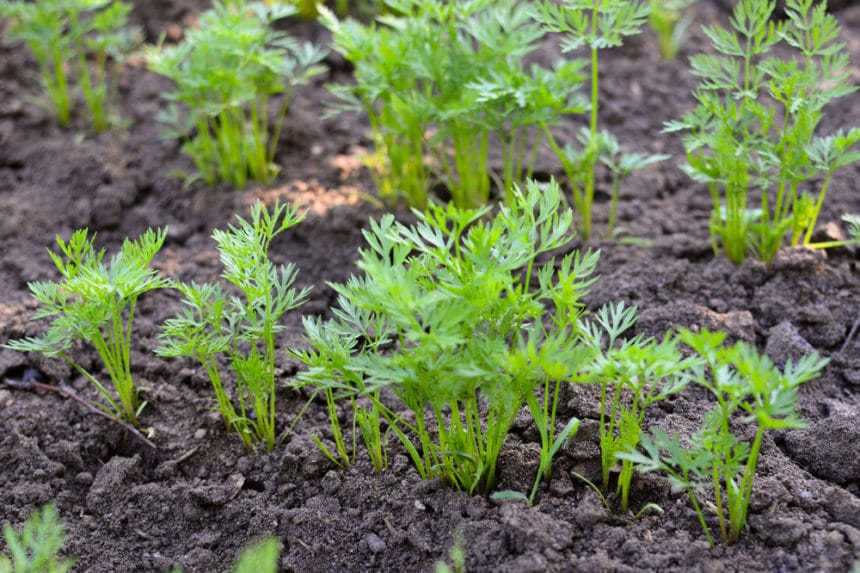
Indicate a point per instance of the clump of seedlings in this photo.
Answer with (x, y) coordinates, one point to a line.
(215, 323)
(74, 42)
(595, 25)
(754, 129)
(36, 548)
(95, 301)
(227, 73)
(444, 318)
(441, 82)
(748, 389)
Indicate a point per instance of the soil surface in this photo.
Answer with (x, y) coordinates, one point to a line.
(199, 497)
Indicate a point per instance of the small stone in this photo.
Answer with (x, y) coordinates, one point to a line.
(420, 506)
(200, 434)
(375, 543)
(5, 398)
(40, 474)
(331, 482)
(84, 478)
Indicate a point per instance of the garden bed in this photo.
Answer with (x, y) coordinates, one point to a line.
(198, 497)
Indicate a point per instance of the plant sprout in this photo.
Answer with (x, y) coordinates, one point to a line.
(670, 20)
(596, 25)
(36, 547)
(226, 73)
(78, 38)
(748, 389)
(214, 323)
(96, 302)
(754, 128)
(632, 374)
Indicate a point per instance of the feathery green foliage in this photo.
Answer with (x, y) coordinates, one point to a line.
(638, 372)
(96, 302)
(215, 323)
(77, 37)
(754, 129)
(439, 83)
(443, 316)
(595, 25)
(35, 549)
(226, 73)
(748, 389)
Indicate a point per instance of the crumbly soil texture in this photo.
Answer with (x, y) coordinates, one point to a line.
(198, 497)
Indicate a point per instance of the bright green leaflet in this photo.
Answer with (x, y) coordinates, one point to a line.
(670, 20)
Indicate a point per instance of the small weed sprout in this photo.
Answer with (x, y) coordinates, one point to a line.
(748, 389)
(448, 301)
(442, 81)
(632, 374)
(596, 25)
(226, 73)
(96, 302)
(670, 20)
(754, 128)
(77, 37)
(214, 323)
(36, 548)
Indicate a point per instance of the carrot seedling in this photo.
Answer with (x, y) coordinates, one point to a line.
(748, 389)
(96, 302)
(441, 82)
(754, 129)
(214, 323)
(670, 20)
(77, 37)
(595, 25)
(226, 73)
(633, 375)
(443, 316)
(36, 547)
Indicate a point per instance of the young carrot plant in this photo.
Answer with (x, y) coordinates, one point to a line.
(632, 374)
(439, 83)
(78, 38)
(36, 547)
(670, 20)
(227, 72)
(748, 389)
(444, 317)
(243, 329)
(96, 302)
(754, 129)
(595, 25)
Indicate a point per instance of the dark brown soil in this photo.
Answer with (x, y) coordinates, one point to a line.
(199, 496)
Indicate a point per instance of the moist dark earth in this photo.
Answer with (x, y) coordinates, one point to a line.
(198, 497)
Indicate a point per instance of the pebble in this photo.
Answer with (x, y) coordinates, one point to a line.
(5, 398)
(200, 434)
(39, 473)
(375, 543)
(84, 478)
